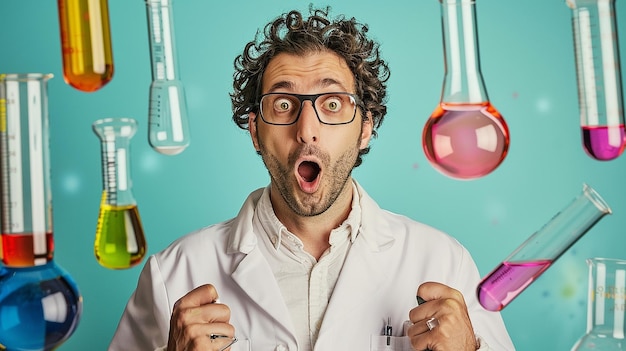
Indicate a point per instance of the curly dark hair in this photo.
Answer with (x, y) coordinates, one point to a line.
(292, 34)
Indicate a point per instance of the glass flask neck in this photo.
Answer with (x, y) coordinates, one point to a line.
(26, 206)
(463, 82)
(115, 135)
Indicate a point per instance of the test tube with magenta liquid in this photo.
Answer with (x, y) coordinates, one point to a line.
(599, 78)
(541, 249)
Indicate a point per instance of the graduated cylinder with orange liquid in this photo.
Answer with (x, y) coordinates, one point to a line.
(120, 242)
(86, 43)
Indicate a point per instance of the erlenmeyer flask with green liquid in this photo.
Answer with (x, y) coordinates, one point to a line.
(120, 242)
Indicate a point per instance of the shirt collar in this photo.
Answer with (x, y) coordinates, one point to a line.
(279, 235)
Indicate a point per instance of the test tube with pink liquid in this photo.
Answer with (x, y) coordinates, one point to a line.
(541, 249)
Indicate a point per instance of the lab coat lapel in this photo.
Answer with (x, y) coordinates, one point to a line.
(363, 271)
(355, 289)
(256, 279)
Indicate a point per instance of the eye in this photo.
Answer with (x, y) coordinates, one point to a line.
(332, 104)
(282, 105)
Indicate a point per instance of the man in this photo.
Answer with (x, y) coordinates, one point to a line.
(310, 262)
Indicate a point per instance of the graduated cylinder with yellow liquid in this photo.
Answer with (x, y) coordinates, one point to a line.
(120, 242)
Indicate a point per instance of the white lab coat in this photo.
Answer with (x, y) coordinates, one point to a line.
(379, 279)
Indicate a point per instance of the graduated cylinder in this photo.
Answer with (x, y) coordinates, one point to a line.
(25, 170)
(40, 305)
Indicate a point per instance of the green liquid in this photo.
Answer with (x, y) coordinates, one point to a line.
(120, 241)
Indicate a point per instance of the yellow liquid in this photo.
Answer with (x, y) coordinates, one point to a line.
(120, 241)
(86, 43)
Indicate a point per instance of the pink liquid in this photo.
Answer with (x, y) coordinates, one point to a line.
(507, 281)
(604, 142)
(465, 141)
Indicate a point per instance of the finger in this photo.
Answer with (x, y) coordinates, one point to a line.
(202, 295)
(211, 313)
(418, 327)
(434, 291)
(204, 337)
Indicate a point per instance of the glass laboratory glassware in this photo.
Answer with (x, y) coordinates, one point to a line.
(120, 241)
(86, 43)
(168, 129)
(599, 78)
(606, 306)
(40, 304)
(465, 137)
(541, 249)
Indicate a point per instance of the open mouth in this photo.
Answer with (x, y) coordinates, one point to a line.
(308, 171)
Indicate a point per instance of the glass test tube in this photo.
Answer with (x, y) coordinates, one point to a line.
(465, 137)
(168, 130)
(40, 303)
(120, 241)
(86, 43)
(599, 78)
(541, 249)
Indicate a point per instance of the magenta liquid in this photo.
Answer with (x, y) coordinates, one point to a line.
(507, 281)
(604, 142)
(465, 141)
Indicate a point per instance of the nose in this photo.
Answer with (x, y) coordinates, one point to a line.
(308, 124)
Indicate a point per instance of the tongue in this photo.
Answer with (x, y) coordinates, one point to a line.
(308, 170)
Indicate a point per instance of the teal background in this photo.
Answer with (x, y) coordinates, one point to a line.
(527, 61)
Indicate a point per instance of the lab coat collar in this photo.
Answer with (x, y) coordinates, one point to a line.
(242, 238)
(375, 235)
(376, 232)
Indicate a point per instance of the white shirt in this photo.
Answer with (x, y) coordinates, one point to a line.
(306, 283)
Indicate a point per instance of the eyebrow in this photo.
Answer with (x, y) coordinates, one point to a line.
(289, 85)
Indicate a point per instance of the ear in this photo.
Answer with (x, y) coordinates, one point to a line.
(366, 130)
(252, 128)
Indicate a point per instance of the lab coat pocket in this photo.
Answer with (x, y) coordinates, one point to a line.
(241, 345)
(390, 343)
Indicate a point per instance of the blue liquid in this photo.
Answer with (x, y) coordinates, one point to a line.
(40, 307)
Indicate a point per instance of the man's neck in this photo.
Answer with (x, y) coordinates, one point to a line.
(314, 231)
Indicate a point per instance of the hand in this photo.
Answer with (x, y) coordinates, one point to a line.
(197, 316)
(447, 305)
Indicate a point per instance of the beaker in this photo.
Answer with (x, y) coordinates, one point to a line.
(168, 129)
(465, 137)
(606, 306)
(541, 249)
(40, 304)
(598, 77)
(86, 43)
(120, 241)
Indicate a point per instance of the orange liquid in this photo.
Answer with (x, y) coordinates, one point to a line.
(18, 251)
(86, 44)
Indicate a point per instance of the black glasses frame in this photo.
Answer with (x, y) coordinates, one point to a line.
(310, 97)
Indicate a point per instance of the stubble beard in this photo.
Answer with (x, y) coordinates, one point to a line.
(334, 181)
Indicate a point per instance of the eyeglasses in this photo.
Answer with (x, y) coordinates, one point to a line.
(285, 108)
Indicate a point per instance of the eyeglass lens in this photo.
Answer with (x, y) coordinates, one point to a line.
(331, 108)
